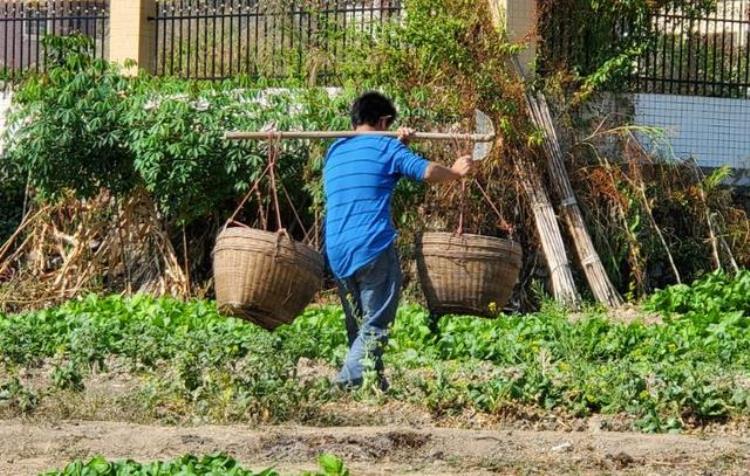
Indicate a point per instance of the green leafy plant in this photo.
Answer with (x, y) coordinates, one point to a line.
(65, 129)
(188, 465)
(688, 371)
(332, 466)
(84, 126)
(14, 394)
(714, 296)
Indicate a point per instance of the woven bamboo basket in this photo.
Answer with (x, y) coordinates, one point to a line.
(264, 277)
(467, 274)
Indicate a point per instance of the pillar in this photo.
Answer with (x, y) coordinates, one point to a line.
(132, 34)
(518, 19)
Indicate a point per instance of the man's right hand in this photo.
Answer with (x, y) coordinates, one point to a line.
(405, 135)
(464, 166)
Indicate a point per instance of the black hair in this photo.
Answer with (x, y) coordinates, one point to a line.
(370, 107)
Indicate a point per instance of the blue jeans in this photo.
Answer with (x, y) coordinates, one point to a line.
(370, 300)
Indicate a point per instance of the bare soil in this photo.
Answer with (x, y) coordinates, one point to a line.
(28, 448)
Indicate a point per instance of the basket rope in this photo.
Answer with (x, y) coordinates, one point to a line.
(270, 173)
(503, 224)
(462, 207)
(232, 219)
(462, 200)
(273, 155)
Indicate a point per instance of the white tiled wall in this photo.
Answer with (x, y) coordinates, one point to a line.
(5, 100)
(713, 131)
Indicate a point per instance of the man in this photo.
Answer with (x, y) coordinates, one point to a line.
(360, 175)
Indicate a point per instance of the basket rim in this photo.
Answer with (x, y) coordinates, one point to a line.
(475, 244)
(295, 247)
(470, 236)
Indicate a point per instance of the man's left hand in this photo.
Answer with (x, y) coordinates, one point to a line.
(405, 135)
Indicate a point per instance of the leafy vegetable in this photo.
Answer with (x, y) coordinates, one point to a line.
(189, 465)
(687, 371)
(716, 294)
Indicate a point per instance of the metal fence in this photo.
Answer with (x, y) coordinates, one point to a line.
(690, 50)
(23, 24)
(215, 39)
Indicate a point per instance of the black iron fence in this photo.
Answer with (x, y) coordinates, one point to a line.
(23, 24)
(215, 39)
(697, 48)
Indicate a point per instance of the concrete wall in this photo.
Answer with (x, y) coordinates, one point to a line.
(713, 131)
(6, 98)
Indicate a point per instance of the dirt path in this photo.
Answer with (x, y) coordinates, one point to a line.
(29, 448)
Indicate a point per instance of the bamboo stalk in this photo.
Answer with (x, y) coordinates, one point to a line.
(732, 261)
(640, 187)
(24, 223)
(707, 210)
(713, 237)
(711, 233)
(650, 213)
(599, 282)
(561, 274)
(7, 262)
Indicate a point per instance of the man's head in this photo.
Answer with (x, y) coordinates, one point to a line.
(374, 110)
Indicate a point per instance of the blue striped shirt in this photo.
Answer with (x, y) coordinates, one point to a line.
(359, 177)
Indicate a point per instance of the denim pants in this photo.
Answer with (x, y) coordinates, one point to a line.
(370, 300)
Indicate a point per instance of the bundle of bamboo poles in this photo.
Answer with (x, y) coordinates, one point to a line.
(600, 284)
(561, 274)
(545, 220)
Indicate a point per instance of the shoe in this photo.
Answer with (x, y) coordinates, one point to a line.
(355, 384)
(349, 384)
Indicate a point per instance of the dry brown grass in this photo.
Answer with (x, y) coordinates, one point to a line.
(76, 246)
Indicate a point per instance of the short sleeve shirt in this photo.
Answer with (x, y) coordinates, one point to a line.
(359, 177)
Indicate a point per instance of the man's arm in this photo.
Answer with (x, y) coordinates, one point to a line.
(437, 173)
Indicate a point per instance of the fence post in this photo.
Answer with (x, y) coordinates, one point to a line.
(519, 20)
(132, 33)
